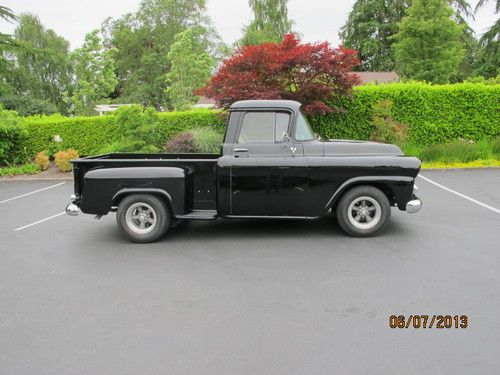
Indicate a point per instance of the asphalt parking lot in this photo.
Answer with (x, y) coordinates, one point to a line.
(251, 297)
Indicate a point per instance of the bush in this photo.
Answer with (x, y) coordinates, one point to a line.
(42, 160)
(12, 136)
(19, 169)
(434, 113)
(207, 140)
(63, 158)
(385, 128)
(181, 143)
(98, 134)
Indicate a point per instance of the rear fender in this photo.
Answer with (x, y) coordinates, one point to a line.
(106, 187)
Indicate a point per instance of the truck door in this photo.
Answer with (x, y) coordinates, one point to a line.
(269, 174)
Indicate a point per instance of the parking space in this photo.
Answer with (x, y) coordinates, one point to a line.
(250, 297)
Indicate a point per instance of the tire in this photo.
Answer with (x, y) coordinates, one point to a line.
(142, 218)
(363, 211)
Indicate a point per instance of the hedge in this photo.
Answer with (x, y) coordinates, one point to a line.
(89, 135)
(434, 114)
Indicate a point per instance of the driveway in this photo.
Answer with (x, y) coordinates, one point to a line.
(251, 297)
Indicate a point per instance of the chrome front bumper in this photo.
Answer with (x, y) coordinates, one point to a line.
(414, 205)
(72, 209)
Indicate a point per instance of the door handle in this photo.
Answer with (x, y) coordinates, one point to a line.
(240, 149)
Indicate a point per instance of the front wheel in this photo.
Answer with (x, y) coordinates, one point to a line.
(142, 218)
(363, 211)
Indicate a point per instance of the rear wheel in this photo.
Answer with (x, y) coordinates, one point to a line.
(363, 211)
(142, 218)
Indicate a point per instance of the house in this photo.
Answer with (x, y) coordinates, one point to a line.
(376, 77)
(104, 108)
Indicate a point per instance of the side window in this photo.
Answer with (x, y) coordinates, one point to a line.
(263, 127)
(282, 120)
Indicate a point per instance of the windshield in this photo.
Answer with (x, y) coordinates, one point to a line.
(303, 131)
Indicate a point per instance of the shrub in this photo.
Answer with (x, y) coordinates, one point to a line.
(434, 113)
(385, 128)
(207, 140)
(181, 143)
(12, 136)
(19, 169)
(97, 134)
(63, 158)
(42, 160)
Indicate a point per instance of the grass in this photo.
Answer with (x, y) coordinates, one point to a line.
(19, 169)
(471, 164)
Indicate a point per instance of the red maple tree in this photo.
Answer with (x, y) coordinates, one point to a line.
(311, 73)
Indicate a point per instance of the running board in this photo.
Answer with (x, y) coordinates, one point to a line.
(199, 215)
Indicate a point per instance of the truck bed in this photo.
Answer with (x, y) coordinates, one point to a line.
(202, 168)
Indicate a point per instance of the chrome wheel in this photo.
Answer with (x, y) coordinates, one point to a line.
(141, 218)
(364, 212)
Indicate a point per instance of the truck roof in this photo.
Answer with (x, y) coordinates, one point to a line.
(289, 104)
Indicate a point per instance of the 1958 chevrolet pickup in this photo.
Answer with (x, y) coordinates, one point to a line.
(271, 166)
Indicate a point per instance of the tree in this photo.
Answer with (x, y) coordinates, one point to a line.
(191, 68)
(6, 45)
(143, 41)
(270, 22)
(94, 74)
(371, 24)
(312, 74)
(428, 46)
(369, 28)
(41, 67)
(489, 59)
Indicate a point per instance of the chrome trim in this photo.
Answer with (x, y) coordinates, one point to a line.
(271, 217)
(72, 209)
(413, 206)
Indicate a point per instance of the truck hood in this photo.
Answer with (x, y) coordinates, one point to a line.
(338, 147)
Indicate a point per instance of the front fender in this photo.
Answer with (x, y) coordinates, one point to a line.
(400, 186)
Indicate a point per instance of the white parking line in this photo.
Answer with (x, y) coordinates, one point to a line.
(461, 195)
(33, 192)
(39, 221)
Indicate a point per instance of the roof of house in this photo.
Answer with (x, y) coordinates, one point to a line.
(376, 77)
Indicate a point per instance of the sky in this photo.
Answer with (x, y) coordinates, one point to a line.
(315, 20)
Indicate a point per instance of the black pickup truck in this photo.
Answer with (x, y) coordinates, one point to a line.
(271, 166)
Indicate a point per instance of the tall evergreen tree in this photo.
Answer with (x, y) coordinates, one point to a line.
(270, 22)
(41, 67)
(6, 45)
(489, 59)
(372, 23)
(428, 46)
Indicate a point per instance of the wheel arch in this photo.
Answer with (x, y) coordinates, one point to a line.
(395, 188)
(160, 193)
